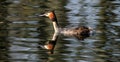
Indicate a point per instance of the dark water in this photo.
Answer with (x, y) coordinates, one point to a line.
(23, 34)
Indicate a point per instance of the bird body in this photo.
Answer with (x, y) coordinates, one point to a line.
(78, 31)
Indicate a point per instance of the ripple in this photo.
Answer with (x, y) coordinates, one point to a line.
(116, 23)
(24, 39)
(28, 22)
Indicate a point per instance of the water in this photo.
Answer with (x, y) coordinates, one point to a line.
(23, 35)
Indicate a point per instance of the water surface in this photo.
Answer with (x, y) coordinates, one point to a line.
(23, 34)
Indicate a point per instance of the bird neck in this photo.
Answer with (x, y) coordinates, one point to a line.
(53, 18)
(55, 26)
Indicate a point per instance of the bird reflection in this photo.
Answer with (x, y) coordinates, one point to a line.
(50, 45)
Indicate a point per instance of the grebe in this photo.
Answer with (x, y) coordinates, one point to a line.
(82, 31)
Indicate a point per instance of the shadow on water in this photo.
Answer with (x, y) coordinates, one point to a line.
(24, 37)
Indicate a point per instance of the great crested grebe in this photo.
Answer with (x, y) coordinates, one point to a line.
(79, 31)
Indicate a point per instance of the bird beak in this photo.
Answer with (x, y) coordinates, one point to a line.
(42, 15)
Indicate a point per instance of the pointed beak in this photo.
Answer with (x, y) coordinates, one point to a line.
(42, 15)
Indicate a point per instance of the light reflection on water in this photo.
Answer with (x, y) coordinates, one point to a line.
(84, 13)
(22, 39)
